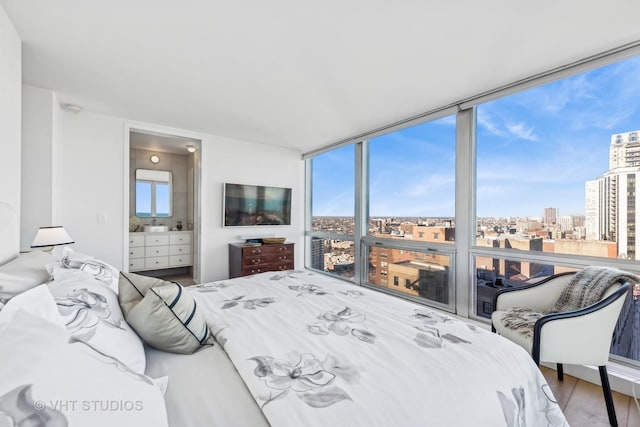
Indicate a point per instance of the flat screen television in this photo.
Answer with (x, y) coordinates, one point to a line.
(250, 205)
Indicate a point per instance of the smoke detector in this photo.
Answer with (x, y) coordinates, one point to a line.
(75, 109)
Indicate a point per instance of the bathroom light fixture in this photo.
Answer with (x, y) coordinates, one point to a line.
(51, 236)
(191, 148)
(154, 159)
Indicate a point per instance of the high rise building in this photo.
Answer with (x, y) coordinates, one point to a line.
(550, 216)
(317, 254)
(611, 199)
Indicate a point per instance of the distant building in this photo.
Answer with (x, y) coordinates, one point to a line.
(550, 216)
(566, 223)
(417, 273)
(611, 200)
(317, 254)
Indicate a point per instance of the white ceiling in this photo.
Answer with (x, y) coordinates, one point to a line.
(300, 74)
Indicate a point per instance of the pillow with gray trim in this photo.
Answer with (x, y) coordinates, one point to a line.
(162, 314)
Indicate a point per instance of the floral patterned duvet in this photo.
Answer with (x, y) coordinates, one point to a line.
(315, 351)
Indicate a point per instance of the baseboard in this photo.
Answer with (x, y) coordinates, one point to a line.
(622, 379)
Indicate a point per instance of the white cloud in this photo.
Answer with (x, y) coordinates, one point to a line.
(521, 131)
(611, 121)
(494, 126)
(430, 185)
(485, 120)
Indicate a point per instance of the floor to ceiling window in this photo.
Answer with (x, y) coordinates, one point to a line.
(551, 185)
(411, 200)
(333, 212)
(555, 176)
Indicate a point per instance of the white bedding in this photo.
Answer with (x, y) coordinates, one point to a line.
(204, 389)
(316, 351)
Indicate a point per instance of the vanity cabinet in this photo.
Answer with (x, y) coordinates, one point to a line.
(245, 260)
(158, 250)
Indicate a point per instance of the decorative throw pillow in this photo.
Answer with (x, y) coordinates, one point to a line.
(23, 273)
(162, 314)
(92, 315)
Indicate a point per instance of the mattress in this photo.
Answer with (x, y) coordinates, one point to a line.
(203, 389)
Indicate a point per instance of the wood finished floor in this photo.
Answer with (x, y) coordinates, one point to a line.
(583, 402)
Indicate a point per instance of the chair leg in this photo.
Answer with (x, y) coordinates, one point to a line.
(606, 389)
(560, 372)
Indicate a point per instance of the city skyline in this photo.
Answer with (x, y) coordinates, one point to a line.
(535, 149)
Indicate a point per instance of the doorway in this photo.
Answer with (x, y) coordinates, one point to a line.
(163, 205)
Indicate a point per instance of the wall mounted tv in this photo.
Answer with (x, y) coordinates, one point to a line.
(250, 205)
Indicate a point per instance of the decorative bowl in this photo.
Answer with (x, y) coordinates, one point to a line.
(268, 240)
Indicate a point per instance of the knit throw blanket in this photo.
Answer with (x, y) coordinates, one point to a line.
(585, 288)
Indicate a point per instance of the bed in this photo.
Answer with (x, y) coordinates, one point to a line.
(276, 349)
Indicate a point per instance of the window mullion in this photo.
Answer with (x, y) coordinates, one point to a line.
(465, 210)
(361, 217)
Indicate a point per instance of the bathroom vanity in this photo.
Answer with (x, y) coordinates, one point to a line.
(160, 249)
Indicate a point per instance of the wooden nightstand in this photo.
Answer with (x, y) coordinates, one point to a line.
(245, 260)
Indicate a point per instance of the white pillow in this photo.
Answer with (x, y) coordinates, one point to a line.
(54, 383)
(37, 301)
(163, 314)
(92, 315)
(101, 270)
(23, 273)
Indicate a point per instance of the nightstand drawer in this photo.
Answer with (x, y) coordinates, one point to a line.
(136, 240)
(281, 266)
(154, 251)
(136, 264)
(180, 239)
(136, 252)
(179, 249)
(179, 260)
(156, 262)
(156, 240)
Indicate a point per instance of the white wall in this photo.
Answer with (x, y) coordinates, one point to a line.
(90, 183)
(10, 113)
(228, 160)
(37, 165)
(91, 188)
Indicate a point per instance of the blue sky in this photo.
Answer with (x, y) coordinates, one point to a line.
(535, 149)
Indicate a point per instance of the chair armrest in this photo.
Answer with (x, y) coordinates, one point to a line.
(538, 296)
(581, 337)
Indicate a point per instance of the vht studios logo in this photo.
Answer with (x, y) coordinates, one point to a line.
(90, 405)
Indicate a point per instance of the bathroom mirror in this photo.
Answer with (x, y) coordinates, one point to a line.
(153, 193)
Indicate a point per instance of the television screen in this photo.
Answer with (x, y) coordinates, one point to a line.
(248, 205)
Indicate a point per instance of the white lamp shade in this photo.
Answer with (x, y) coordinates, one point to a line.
(51, 236)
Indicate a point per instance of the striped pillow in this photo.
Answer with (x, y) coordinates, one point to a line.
(162, 314)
